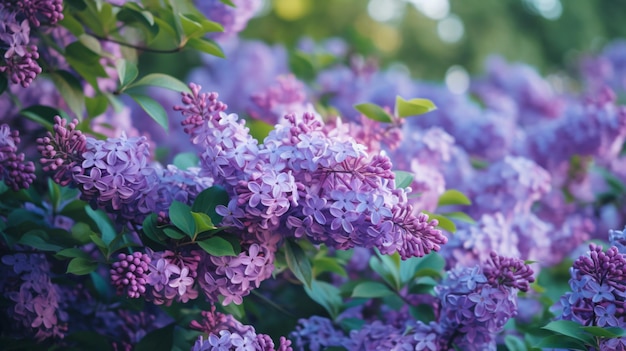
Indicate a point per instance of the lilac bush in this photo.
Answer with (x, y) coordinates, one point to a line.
(302, 197)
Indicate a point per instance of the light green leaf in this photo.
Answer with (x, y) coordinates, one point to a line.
(403, 179)
(374, 112)
(203, 222)
(514, 343)
(453, 197)
(327, 295)
(217, 246)
(127, 72)
(163, 81)
(205, 45)
(371, 290)
(185, 160)
(328, 264)
(461, 216)
(444, 223)
(413, 107)
(90, 43)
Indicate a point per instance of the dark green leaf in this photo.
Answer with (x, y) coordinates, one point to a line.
(150, 229)
(571, 329)
(71, 90)
(152, 108)
(44, 115)
(101, 285)
(298, 262)
(301, 65)
(73, 25)
(217, 246)
(561, 342)
(76, 4)
(413, 107)
(81, 266)
(163, 81)
(4, 83)
(328, 264)
(185, 160)
(72, 252)
(37, 239)
(327, 295)
(403, 179)
(453, 197)
(173, 233)
(157, 340)
(371, 290)
(103, 222)
(206, 45)
(208, 199)
(180, 215)
(81, 232)
(96, 105)
(349, 324)
(374, 112)
(605, 332)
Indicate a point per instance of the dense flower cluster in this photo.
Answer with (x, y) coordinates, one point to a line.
(473, 305)
(17, 20)
(14, 171)
(306, 182)
(224, 333)
(233, 18)
(598, 289)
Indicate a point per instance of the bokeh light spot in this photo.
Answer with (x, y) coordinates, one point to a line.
(450, 29)
(457, 80)
(435, 9)
(292, 9)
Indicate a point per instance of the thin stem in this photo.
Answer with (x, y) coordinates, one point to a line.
(142, 48)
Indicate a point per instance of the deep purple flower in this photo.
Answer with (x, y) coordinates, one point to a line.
(16, 173)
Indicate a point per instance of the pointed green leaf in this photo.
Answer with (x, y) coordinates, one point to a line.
(403, 179)
(208, 199)
(96, 105)
(461, 216)
(444, 223)
(328, 264)
(298, 262)
(103, 222)
(327, 295)
(181, 217)
(374, 112)
(43, 115)
(413, 107)
(371, 290)
(71, 90)
(152, 108)
(217, 246)
(453, 197)
(72, 252)
(37, 239)
(203, 222)
(173, 233)
(206, 45)
(127, 72)
(81, 266)
(161, 80)
(571, 329)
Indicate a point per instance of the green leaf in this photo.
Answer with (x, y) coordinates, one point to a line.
(159, 339)
(349, 324)
(605, 332)
(571, 329)
(90, 43)
(453, 197)
(85, 62)
(461, 216)
(81, 266)
(186, 160)
(203, 222)
(229, 3)
(389, 273)
(444, 223)
(103, 222)
(561, 342)
(413, 107)
(327, 295)
(163, 81)
(37, 239)
(180, 215)
(301, 65)
(127, 72)
(403, 179)
(149, 227)
(173, 233)
(298, 262)
(44, 115)
(152, 108)
(81, 232)
(374, 112)
(4, 83)
(191, 28)
(205, 45)
(328, 264)
(71, 90)
(259, 129)
(72, 252)
(433, 261)
(514, 343)
(217, 246)
(371, 290)
(208, 199)
(96, 105)
(73, 25)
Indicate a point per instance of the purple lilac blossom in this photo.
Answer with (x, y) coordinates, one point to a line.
(286, 95)
(607, 68)
(35, 310)
(224, 333)
(233, 19)
(598, 289)
(14, 171)
(298, 179)
(171, 276)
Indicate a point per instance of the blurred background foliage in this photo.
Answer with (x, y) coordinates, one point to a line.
(430, 36)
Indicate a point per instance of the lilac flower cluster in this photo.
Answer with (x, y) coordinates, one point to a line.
(17, 19)
(598, 289)
(287, 95)
(16, 173)
(34, 312)
(233, 19)
(306, 182)
(224, 333)
(473, 305)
